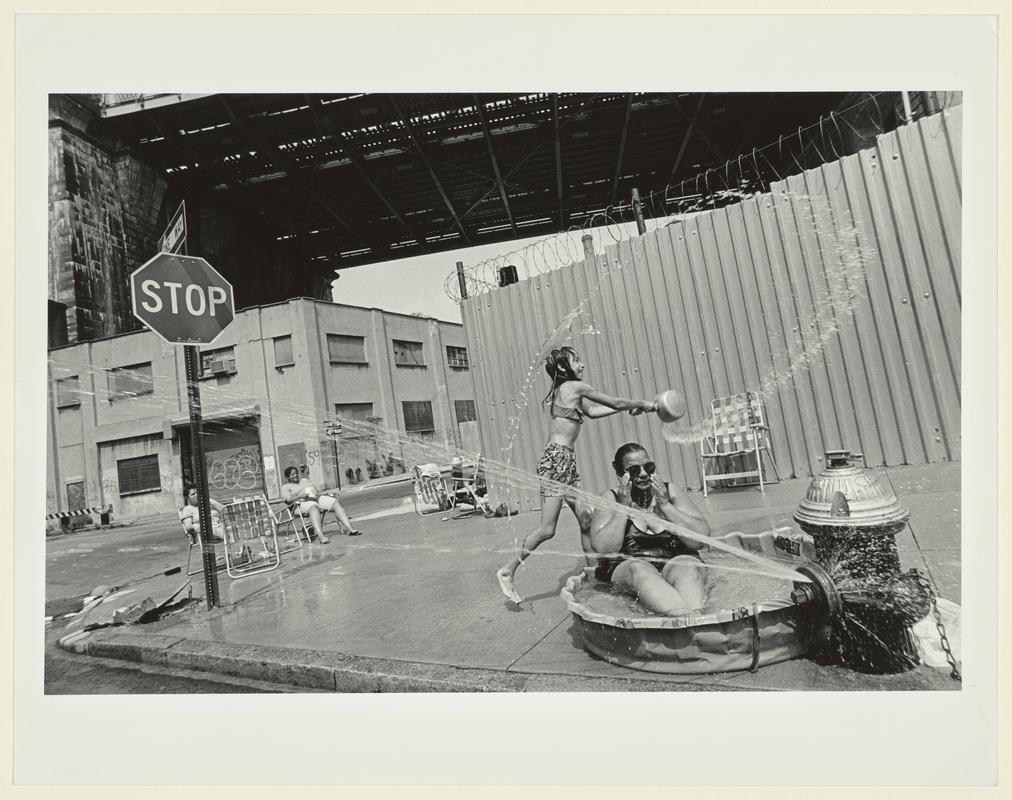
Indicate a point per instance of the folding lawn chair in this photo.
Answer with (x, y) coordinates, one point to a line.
(289, 515)
(193, 542)
(250, 529)
(738, 432)
(470, 491)
(430, 490)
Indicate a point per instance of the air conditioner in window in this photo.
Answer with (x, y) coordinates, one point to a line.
(219, 368)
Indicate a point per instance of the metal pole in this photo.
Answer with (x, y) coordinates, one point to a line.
(461, 281)
(907, 111)
(637, 205)
(200, 478)
(588, 246)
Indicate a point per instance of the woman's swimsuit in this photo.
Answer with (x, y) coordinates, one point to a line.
(655, 547)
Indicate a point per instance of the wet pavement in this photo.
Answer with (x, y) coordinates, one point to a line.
(413, 604)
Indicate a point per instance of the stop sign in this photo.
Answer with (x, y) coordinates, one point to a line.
(182, 298)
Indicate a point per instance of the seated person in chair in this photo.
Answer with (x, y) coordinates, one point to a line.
(190, 515)
(302, 494)
(661, 568)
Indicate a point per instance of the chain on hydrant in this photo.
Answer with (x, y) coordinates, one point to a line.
(946, 647)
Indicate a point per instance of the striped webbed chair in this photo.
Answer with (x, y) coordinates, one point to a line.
(738, 437)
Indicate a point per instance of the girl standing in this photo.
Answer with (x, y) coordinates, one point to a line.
(569, 401)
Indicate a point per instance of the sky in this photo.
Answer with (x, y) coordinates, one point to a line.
(417, 285)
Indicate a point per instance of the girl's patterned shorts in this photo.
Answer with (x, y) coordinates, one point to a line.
(557, 463)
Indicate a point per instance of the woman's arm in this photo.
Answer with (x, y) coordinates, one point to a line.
(675, 506)
(215, 505)
(607, 528)
(188, 519)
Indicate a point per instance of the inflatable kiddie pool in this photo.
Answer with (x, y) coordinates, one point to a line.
(748, 635)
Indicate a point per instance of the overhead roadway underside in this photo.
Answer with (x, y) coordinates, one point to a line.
(350, 179)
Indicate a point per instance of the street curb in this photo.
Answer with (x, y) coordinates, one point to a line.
(337, 672)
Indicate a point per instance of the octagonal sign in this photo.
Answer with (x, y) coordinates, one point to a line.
(182, 298)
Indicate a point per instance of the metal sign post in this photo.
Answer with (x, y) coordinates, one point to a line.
(333, 430)
(187, 302)
(208, 556)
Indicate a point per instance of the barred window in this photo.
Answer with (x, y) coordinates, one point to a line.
(346, 349)
(217, 362)
(418, 416)
(464, 410)
(68, 392)
(408, 354)
(130, 381)
(139, 475)
(456, 357)
(283, 356)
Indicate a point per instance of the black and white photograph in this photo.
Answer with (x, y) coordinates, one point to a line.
(607, 389)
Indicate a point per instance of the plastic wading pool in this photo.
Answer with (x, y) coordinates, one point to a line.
(747, 637)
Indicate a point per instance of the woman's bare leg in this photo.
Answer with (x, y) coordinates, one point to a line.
(650, 588)
(317, 519)
(550, 508)
(688, 575)
(339, 514)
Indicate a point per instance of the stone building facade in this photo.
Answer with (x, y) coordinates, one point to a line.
(118, 423)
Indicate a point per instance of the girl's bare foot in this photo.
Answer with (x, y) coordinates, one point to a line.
(505, 578)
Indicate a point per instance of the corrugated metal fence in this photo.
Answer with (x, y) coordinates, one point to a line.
(711, 304)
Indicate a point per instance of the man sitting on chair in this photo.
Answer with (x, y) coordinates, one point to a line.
(302, 493)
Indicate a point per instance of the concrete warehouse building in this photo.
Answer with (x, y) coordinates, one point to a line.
(119, 423)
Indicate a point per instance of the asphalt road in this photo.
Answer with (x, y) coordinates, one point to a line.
(79, 562)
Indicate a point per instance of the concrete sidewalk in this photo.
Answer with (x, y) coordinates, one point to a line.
(413, 605)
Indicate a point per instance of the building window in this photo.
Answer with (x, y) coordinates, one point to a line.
(283, 352)
(354, 412)
(464, 410)
(217, 362)
(456, 358)
(418, 416)
(139, 475)
(68, 392)
(408, 354)
(346, 349)
(130, 381)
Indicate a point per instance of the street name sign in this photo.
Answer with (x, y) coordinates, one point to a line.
(174, 238)
(182, 298)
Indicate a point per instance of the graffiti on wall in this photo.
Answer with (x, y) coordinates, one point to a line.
(237, 469)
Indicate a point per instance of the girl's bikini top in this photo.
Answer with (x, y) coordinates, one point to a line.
(565, 412)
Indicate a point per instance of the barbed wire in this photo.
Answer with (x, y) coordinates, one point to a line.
(745, 175)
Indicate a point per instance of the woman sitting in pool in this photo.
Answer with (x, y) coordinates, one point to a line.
(569, 401)
(657, 565)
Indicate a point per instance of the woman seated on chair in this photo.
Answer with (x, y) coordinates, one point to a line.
(654, 563)
(302, 494)
(190, 515)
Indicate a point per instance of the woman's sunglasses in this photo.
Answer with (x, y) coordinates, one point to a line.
(634, 469)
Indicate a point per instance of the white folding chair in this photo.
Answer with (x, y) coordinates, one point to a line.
(193, 542)
(470, 491)
(250, 527)
(287, 516)
(430, 493)
(737, 431)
